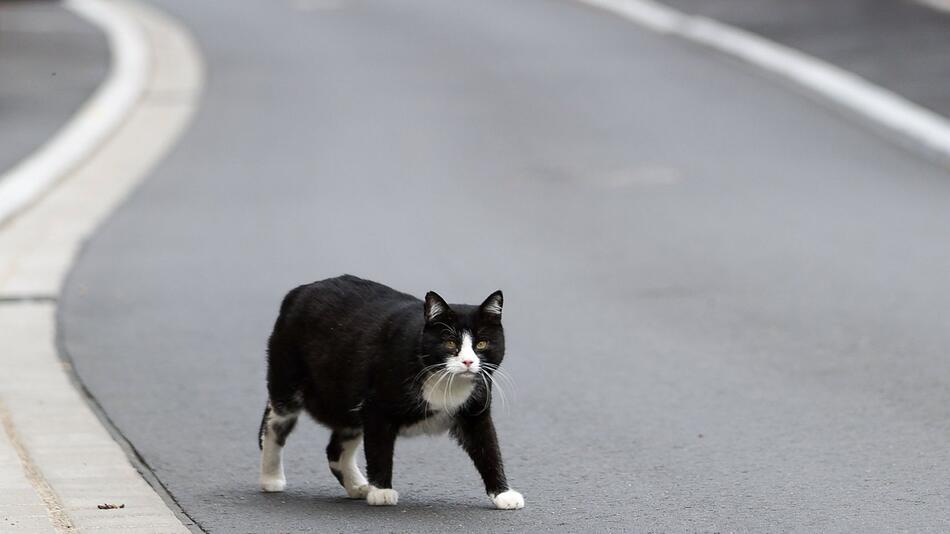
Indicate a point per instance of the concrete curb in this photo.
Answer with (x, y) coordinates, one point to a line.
(908, 123)
(57, 461)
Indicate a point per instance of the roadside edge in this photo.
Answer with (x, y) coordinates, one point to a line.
(69, 444)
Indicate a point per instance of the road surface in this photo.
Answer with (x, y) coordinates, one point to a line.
(726, 304)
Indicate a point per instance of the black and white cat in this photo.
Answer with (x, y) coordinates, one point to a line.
(372, 363)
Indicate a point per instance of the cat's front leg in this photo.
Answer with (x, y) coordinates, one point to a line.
(476, 434)
(379, 439)
(341, 454)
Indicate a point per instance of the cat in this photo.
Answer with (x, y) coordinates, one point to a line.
(372, 363)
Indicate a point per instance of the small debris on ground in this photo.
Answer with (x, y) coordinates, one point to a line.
(108, 506)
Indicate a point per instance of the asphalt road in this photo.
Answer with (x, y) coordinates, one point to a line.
(50, 63)
(726, 305)
(898, 44)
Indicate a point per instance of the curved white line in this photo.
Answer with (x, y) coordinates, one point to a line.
(939, 5)
(96, 119)
(845, 89)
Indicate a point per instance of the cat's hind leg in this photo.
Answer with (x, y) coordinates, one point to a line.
(341, 454)
(279, 420)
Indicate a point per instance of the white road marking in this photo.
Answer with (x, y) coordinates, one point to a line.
(939, 5)
(913, 123)
(94, 122)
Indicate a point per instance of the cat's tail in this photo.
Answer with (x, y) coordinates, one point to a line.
(263, 429)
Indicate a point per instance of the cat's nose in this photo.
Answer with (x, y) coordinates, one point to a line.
(467, 363)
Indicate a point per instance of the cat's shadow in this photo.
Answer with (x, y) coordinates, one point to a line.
(303, 502)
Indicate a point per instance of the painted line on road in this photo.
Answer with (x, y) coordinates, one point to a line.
(913, 124)
(939, 5)
(96, 119)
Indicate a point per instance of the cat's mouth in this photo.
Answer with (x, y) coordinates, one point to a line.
(466, 373)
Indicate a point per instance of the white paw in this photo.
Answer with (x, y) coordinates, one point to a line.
(382, 497)
(358, 492)
(508, 500)
(273, 484)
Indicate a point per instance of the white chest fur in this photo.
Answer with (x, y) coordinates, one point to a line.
(443, 397)
(447, 394)
(435, 424)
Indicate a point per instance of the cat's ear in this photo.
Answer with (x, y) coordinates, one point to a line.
(435, 306)
(492, 306)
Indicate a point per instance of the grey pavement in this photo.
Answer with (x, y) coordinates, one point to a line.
(901, 45)
(50, 63)
(726, 305)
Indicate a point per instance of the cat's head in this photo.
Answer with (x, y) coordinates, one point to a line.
(463, 340)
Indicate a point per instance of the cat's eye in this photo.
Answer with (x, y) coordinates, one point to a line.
(481, 345)
(451, 345)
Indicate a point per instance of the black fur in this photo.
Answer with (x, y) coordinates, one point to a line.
(353, 353)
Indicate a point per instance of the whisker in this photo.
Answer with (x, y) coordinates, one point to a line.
(496, 369)
(509, 384)
(501, 393)
(442, 374)
(423, 403)
(422, 400)
(504, 396)
(446, 328)
(506, 379)
(487, 393)
(445, 392)
(423, 371)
